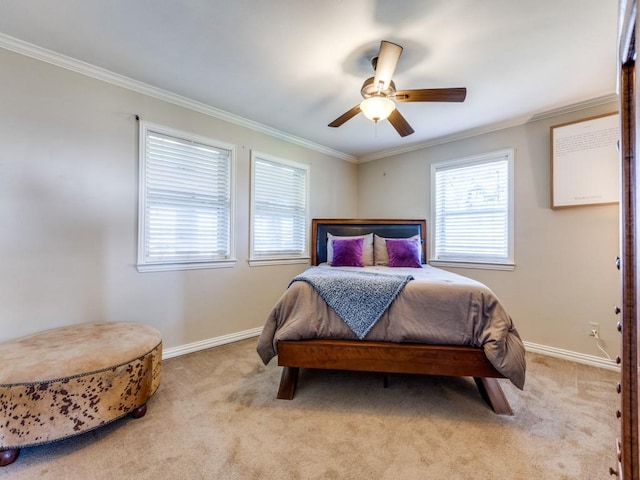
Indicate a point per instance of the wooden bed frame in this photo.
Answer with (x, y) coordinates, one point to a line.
(384, 357)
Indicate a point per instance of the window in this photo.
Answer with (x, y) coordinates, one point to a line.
(185, 201)
(279, 210)
(472, 211)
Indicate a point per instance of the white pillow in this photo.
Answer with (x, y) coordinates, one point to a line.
(380, 254)
(367, 248)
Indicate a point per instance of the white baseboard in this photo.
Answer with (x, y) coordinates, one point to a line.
(583, 358)
(211, 342)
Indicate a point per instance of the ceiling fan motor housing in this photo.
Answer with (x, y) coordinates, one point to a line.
(369, 89)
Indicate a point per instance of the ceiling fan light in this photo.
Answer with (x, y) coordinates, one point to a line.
(377, 108)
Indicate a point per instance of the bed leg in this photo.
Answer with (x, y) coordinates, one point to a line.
(492, 393)
(8, 456)
(288, 383)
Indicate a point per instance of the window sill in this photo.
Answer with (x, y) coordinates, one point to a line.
(167, 267)
(277, 261)
(480, 266)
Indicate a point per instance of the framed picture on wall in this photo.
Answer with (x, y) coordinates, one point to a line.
(585, 167)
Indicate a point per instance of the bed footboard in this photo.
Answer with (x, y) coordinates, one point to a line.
(386, 357)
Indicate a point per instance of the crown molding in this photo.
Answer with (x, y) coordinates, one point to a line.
(63, 61)
(602, 100)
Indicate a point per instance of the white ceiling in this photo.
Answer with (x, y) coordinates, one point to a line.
(296, 65)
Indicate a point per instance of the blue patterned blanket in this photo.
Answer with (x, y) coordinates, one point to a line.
(359, 298)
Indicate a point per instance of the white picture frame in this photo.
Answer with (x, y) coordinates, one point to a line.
(585, 165)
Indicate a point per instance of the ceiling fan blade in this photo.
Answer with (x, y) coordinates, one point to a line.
(386, 64)
(400, 124)
(345, 116)
(432, 95)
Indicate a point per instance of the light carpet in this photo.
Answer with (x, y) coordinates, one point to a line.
(216, 416)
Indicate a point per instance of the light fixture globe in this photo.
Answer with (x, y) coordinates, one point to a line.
(377, 107)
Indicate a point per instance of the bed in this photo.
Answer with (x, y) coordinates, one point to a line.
(470, 336)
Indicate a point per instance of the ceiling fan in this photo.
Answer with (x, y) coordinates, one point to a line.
(379, 93)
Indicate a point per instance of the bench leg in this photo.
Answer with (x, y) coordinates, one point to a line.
(8, 456)
(139, 412)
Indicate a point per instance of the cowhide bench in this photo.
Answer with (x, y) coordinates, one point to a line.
(66, 381)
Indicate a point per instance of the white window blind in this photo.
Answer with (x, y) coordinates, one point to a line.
(185, 200)
(279, 208)
(472, 203)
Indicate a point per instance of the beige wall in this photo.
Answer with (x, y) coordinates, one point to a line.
(68, 211)
(564, 276)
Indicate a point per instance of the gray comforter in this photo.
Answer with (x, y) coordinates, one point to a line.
(437, 307)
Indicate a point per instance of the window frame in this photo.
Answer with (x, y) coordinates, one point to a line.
(489, 264)
(275, 259)
(170, 265)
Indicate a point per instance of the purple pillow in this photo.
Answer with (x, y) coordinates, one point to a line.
(347, 252)
(404, 252)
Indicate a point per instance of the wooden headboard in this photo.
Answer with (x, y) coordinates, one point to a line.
(349, 227)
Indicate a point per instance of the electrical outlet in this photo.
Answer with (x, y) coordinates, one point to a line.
(594, 329)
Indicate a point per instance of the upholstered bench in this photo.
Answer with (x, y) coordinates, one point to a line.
(63, 382)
